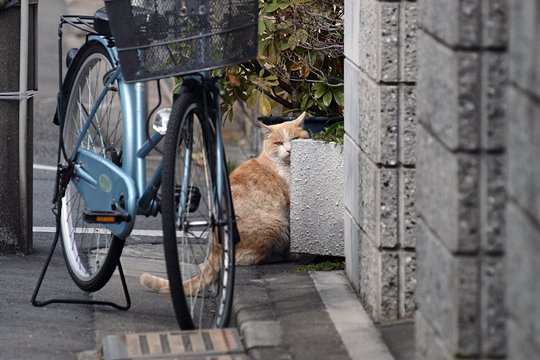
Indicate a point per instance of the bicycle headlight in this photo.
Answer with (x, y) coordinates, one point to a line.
(161, 120)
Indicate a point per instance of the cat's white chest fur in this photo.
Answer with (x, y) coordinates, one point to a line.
(284, 170)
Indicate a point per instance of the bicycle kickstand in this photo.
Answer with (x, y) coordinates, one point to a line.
(75, 301)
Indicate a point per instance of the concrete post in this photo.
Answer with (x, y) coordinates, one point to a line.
(16, 202)
(380, 120)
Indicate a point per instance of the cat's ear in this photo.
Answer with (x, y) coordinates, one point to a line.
(299, 121)
(266, 129)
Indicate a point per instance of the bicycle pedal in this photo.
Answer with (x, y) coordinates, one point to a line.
(106, 217)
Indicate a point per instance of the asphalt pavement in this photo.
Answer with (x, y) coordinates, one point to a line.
(279, 312)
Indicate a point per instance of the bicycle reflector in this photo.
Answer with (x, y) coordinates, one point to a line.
(106, 217)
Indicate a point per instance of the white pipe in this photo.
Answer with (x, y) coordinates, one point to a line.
(23, 114)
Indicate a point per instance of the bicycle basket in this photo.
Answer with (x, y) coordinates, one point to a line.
(162, 38)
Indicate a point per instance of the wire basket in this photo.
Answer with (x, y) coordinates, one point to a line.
(163, 38)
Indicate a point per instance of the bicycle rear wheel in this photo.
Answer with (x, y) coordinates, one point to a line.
(91, 252)
(197, 223)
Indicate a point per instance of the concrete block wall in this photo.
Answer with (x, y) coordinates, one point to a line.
(523, 208)
(379, 152)
(461, 179)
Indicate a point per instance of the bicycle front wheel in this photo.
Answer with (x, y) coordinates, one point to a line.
(90, 250)
(197, 223)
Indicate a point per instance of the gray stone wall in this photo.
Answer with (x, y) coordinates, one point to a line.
(380, 218)
(523, 209)
(461, 177)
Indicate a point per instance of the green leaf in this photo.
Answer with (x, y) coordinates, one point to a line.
(339, 96)
(264, 106)
(268, 23)
(319, 92)
(327, 98)
(270, 8)
(262, 27)
(252, 98)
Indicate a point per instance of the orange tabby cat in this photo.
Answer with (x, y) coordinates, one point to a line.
(261, 197)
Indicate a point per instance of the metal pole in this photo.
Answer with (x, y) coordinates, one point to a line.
(23, 131)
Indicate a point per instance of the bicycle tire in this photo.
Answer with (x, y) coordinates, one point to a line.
(198, 246)
(91, 253)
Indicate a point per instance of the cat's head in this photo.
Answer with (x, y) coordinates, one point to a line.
(277, 138)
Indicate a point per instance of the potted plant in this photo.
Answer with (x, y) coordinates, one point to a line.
(299, 66)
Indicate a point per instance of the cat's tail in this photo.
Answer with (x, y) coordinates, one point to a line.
(155, 283)
(208, 274)
(204, 279)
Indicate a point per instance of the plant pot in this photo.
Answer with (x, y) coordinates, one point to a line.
(317, 210)
(313, 124)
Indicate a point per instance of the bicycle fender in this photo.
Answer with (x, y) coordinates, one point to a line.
(63, 93)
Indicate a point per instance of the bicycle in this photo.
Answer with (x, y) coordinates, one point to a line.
(101, 183)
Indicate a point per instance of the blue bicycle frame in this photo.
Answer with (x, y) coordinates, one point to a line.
(99, 181)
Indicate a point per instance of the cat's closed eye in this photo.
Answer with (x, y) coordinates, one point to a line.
(278, 143)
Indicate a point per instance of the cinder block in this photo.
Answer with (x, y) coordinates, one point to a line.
(409, 218)
(378, 121)
(495, 14)
(493, 99)
(352, 246)
(379, 281)
(493, 188)
(524, 42)
(407, 263)
(388, 115)
(370, 277)
(368, 37)
(523, 151)
(351, 180)
(522, 269)
(316, 211)
(352, 49)
(407, 125)
(493, 307)
(447, 195)
(352, 110)
(447, 293)
(378, 203)
(448, 93)
(369, 117)
(369, 201)
(451, 21)
(386, 47)
(389, 285)
(520, 347)
(428, 344)
(388, 207)
(388, 41)
(408, 40)
(466, 23)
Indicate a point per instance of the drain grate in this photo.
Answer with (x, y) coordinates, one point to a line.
(218, 344)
